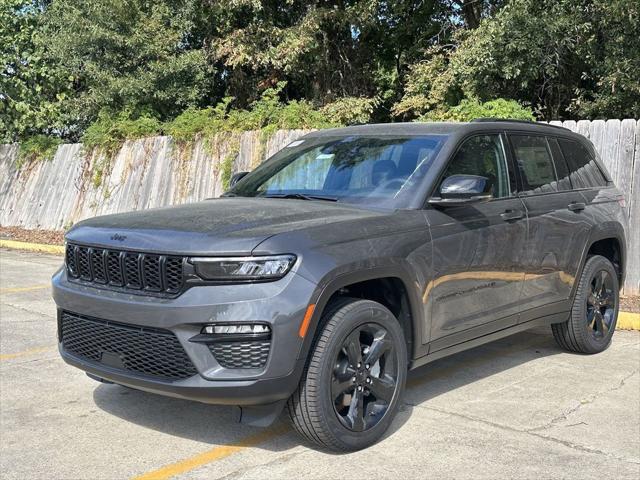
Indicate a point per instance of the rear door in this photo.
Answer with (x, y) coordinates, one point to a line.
(557, 225)
(477, 249)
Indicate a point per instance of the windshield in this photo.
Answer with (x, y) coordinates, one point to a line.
(379, 171)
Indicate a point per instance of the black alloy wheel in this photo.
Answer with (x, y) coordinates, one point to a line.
(601, 304)
(365, 377)
(593, 316)
(353, 382)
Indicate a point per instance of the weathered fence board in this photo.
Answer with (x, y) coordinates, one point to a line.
(156, 171)
(618, 143)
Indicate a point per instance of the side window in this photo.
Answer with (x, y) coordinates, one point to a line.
(534, 161)
(483, 155)
(585, 173)
(562, 170)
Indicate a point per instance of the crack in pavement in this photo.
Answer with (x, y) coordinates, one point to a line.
(571, 445)
(592, 398)
(18, 307)
(287, 457)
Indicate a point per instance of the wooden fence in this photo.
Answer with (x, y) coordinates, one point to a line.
(155, 172)
(618, 143)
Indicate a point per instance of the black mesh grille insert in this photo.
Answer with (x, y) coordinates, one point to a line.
(151, 270)
(132, 270)
(251, 354)
(174, 274)
(97, 262)
(143, 272)
(83, 263)
(115, 269)
(70, 260)
(146, 351)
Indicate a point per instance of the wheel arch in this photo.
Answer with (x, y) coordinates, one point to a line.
(608, 240)
(404, 303)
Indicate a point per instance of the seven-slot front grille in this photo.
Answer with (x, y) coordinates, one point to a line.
(116, 269)
(143, 350)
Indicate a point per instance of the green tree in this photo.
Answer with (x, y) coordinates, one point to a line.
(564, 58)
(148, 58)
(33, 88)
(324, 50)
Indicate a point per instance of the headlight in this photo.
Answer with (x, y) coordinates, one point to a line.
(243, 268)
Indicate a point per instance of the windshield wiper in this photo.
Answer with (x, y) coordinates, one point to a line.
(301, 196)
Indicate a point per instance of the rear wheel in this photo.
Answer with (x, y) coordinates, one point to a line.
(354, 379)
(595, 309)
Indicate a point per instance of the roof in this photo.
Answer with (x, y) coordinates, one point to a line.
(427, 128)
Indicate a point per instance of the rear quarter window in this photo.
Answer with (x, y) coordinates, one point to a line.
(584, 170)
(535, 164)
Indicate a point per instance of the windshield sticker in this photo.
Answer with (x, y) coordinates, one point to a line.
(295, 144)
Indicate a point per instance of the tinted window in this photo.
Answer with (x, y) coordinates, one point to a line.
(562, 170)
(534, 161)
(484, 156)
(585, 172)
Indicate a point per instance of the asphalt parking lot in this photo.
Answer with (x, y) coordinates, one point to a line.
(516, 408)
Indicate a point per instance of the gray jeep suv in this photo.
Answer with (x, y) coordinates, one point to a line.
(349, 257)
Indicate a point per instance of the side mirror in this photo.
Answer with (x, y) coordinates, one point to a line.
(463, 189)
(236, 178)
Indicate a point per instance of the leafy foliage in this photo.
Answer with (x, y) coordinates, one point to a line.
(106, 70)
(350, 110)
(37, 148)
(33, 88)
(146, 57)
(565, 58)
(468, 110)
(110, 131)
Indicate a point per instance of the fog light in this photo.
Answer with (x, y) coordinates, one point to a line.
(239, 329)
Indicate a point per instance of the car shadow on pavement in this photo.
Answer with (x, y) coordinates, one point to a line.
(448, 374)
(214, 425)
(211, 424)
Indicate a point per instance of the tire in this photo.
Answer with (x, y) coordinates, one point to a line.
(331, 420)
(594, 313)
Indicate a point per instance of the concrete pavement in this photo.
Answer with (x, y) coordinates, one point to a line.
(516, 408)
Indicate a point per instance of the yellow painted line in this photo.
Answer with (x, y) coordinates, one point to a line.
(628, 321)
(213, 455)
(24, 289)
(9, 356)
(32, 247)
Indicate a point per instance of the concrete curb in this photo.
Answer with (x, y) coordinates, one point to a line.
(32, 247)
(626, 320)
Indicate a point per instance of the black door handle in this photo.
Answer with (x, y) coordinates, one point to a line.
(576, 206)
(511, 215)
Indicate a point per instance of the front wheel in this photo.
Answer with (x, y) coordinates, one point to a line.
(595, 309)
(354, 379)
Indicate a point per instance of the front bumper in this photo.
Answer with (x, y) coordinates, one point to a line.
(281, 304)
(227, 392)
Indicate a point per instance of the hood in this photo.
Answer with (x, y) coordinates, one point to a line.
(224, 226)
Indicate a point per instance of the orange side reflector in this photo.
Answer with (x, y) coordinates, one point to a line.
(304, 326)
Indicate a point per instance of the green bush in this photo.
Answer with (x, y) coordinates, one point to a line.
(37, 148)
(469, 109)
(267, 113)
(350, 110)
(110, 131)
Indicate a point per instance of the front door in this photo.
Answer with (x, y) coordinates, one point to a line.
(477, 249)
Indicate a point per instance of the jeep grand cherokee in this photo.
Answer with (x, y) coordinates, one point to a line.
(349, 257)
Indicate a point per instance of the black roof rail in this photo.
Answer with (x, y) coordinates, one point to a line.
(511, 120)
